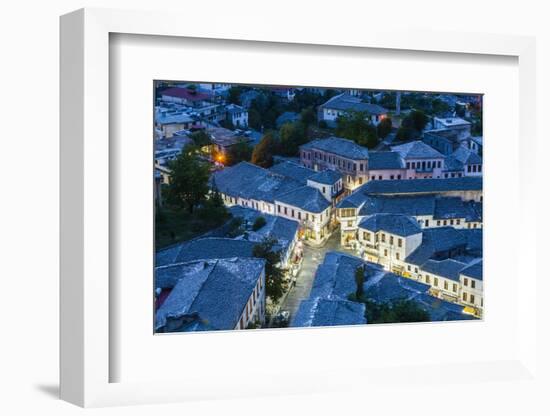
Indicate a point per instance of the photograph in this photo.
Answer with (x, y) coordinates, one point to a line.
(298, 206)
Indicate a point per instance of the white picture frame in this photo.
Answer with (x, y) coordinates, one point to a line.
(85, 210)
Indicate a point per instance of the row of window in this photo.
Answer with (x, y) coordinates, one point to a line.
(453, 175)
(474, 168)
(424, 165)
(427, 279)
(367, 237)
(298, 214)
(444, 222)
(336, 161)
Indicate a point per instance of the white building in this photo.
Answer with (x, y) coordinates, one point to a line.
(343, 104)
(237, 115)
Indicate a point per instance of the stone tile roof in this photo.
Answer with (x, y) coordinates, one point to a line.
(329, 312)
(385, 160)
(435, 242)
(306, 198)
(448, 268)
(249, 181)
(293, 171)
(466, 156)
(204, 249)
(339, 146)
(474, 270)
(397, 224)
(345, 102)
(406, 186)
(215, 295)
(405, 205)
(417, 150)
(326, 177)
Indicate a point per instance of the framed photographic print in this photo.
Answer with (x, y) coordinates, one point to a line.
(299, 206)
(287, 213)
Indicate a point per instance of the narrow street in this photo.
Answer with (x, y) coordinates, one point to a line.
(313, 257)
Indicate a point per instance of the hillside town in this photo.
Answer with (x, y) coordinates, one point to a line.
(286, 206)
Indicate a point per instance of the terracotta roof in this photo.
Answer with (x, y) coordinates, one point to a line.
(186, 94)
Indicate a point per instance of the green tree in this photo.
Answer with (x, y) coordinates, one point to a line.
(440, 107)
(213, 210)
(258, 223)
(307, 116)
(188, 181)
(401, 310)
(460, 110)
(359, 281)
(291, 136)
(384, 127)
(355, 126)
(419, 120)
(201, 138)
(255, 119)
(239, 152)
(412, 125)
(275, 285)
(262, 155)
(234, 95)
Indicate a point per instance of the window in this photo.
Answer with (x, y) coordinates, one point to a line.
(408, 165)
(292, 214)
(452, 222)
(428, 279)
(438, 223)
(465, 282)
(324, 189)
(416, 269)
(464, 297)
(299, 215)
(445, 222)
(391, 240)
(379, 177)
(446, 285)
(400, 242)
(409, 267)
(307, 216)
(457, 222)
(350, 223)
(361, 167)
(436, 281)
(427, 223)
(385, 252)
(398, 176)
(397, 256)
(383, 237)
(472, 299)
(313, 218)
(439, 164)
(392, 177)
(454, 287)
(367, 236)
(473, 284)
